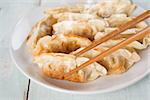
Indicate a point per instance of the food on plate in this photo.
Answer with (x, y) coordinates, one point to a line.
(116, 63)
(64, 31)
(56, 64)
(60, 43)
(106, 8)
(42, 28)
(80, 28)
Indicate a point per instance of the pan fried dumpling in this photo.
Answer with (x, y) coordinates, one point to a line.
(74, 16)
(104, 9)
(120, 61)
(80, 28)
(42, 45)
(117, 62)
(125, 6)
(111, 63)
(116, 20)
(99, 35)
(92, 71)
(60, 43)
(114, 64)
(132, 57)
(98, 25)
(108, 7)
(56, 64)
(42, 28)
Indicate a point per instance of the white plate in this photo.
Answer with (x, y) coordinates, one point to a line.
(104, 84)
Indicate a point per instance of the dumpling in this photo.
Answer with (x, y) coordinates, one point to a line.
(60, 43)
(108, 7)
(74, 16)
(104, 9)
(57, 64)
(93, 71)
(42, 28)
(117, 62)
(120, 61)
(124, 6)
(98, 25)
(116, 20)
(99, 35)
(80, 28)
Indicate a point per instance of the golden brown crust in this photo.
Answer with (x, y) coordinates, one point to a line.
(60, 43)
(76, 78)
(53, 73)
(55, 65)
(58, 74)
(42, 28)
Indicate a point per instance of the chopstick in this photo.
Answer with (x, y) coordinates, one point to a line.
(120, 29)
(122, 44)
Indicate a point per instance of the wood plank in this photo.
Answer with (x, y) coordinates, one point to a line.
(13, 84)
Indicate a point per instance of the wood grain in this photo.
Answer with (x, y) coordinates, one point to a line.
(13, 84)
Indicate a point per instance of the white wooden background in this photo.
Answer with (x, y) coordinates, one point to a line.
(15, 86)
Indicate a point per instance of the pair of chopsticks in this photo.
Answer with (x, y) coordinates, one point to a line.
(122, 44)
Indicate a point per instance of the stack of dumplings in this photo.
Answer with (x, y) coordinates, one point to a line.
(64, 31)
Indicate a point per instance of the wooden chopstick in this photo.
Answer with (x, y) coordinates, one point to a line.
(120, 29)
(122, 44)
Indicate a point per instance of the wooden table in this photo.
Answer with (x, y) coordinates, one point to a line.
(15, 86)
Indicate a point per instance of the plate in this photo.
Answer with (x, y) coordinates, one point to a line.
(23, 62)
